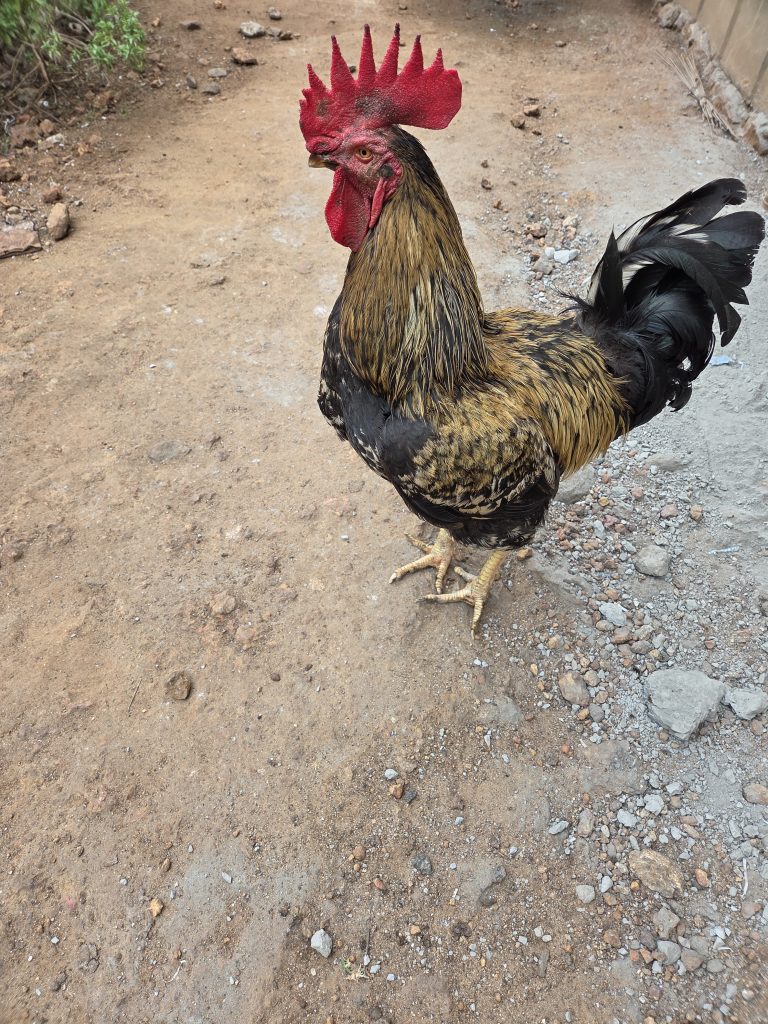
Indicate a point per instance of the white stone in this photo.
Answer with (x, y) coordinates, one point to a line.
(322, 943)
(681, 700)
(746, 704)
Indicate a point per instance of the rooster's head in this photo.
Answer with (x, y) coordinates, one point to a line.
(347, 128)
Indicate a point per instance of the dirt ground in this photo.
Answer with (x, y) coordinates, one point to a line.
(173, 502)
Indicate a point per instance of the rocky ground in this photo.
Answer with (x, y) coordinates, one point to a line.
(245, 779)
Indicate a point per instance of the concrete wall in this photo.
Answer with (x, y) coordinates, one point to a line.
(738, 30)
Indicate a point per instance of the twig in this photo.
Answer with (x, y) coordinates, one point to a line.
(133, 698)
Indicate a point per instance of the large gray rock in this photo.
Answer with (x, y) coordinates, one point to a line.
(681, 700)
(652, 560)
(577, 486)
(746, 704)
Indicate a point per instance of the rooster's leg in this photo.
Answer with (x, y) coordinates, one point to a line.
(438, 556)
(477, 588)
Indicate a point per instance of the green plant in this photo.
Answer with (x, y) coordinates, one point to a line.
(43, 37)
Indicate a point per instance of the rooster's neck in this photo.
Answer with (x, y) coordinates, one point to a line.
(411, 314)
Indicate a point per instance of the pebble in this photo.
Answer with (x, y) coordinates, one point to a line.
(576, 486)
(322, 943)
(273, 14)
(586, 823)
(585, 893)
(243, 57)
(656, 872)
(557, 827)
(58, 222)
(681, 700)
(178, 686)
(755, 793)
(669, 950)
(692, 960)
(390, 774)
(51, 195)
(574, 689)
(217, 72)
(627, 819)
(666, 921)
(211, 89)
(613, 613)
(715, 966)
(654, 803)
(422, 864)
(252, 30)
(532, 110)
(652, 560)
(565, 255)
(517, 121)
(746, 704)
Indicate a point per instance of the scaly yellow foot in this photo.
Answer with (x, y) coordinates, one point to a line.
(477, 588)
(438, 555)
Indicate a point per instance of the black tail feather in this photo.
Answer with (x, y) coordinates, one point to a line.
(656, 292)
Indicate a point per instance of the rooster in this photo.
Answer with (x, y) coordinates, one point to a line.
(475, 417)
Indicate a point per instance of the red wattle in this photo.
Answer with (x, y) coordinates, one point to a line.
(347, 212)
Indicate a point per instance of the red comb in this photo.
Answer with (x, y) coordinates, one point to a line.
(422, 97)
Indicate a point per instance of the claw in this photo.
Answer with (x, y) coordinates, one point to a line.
(477, 589)
(438, 556)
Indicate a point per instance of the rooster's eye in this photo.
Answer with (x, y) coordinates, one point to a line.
(364, 154)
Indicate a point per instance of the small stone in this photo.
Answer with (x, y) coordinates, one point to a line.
(422, 864)
(612, 938)
(666, 921)
(273, 14)
(217, 72)
(226, 877)
(58, 222)
(755, 793)
(252, 30)
(652, 560)
(576, 486)
(557, 827)
(390, 774)
(532, 110)
(669, 950)
(626, 818)
(668, 511)
(223, 604)
(680, 700)
(322, 943)
(702, 878)
(164, 451)
(746, 704)
(613, 613)
(654, 803)
(52, 195)
(243, 57)
(191, 82)
(585, 893)
(574, 689)
(359, 852)
(696, 513)
(156, 908)
(565, 255)
(517, 121)
(656, 872)
(586, 823)
(211, 89)
(178, 686)
(191, 25)
(692, 960)
(715, 966)
(486, 184)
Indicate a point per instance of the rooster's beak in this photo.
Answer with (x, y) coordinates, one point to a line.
(320, 160)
